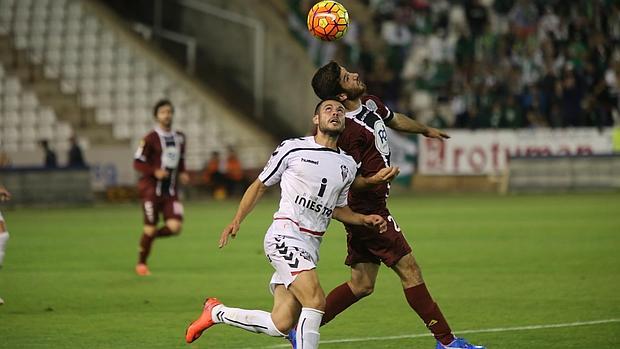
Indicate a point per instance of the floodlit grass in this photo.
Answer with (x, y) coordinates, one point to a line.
(490, 262)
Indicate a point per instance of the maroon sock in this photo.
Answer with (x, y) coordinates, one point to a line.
(146, 241)
(163, 232)
(339, 299)
(420, 300)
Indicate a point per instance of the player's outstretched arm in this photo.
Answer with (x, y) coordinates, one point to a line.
(403, 123)
(251, 196)
(385, 175)
(344, 214)
(4, 194)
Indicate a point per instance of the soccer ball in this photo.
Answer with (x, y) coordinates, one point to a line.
(328, 20)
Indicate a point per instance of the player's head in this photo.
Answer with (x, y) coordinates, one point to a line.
(334, 80)
(329, 117)
(163, 112)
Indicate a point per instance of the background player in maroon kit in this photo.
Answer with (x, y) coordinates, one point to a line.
(161, 161)
(365, 139)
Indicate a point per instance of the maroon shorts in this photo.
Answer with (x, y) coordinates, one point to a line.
(368, 246)
(169, 206)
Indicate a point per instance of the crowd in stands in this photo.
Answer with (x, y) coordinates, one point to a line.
(485, 63)
(224, 177)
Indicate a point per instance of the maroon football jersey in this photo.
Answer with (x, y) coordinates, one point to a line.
(160, 150)
(365, 139)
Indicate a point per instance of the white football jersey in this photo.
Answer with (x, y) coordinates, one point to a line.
(313, 181)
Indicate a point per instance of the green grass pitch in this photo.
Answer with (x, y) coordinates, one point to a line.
(490, 262)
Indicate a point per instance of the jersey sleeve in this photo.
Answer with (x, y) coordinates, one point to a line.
(278, 162)
(375, 104)
(142, 156)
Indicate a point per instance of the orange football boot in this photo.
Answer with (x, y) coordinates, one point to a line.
(205, 321)
(142, 270)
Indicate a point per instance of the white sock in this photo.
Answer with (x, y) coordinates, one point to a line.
(308, 328)
(256, 321)
(4, 238)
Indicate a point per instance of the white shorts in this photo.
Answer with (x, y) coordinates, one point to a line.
(287, 255)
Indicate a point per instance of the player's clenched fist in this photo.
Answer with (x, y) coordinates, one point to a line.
(375, 221)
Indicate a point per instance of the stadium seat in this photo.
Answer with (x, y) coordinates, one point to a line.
(11, 119)
(12, 85)
(46, 116)
(90, 40)
(29, 101)
(63, 130)
(45, 132)
(28, 134)
(103, 99)
(11, 102)
(122, 99)
(104, 115)
(121, 131)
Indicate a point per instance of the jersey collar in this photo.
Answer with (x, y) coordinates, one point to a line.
(311, 139)
(164, 133)
(355, 112)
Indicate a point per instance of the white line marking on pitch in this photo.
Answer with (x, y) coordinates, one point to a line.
(484, 330)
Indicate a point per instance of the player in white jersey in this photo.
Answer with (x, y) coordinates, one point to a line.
(4, 234)
(314, 176)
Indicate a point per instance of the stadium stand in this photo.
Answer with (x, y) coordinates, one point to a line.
(111, 79)
(24, 120)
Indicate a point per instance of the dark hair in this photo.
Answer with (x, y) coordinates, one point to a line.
(318, 105)
(161, 103)
(326, 81)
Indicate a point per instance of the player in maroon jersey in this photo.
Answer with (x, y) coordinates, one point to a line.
(365, 139)
(161, 161)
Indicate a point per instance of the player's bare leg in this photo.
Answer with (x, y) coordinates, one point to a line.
(310, 295)
(172, 227)
(286, 309)
(146, 242)
(408, 271)
(363, 279)
(362, 284)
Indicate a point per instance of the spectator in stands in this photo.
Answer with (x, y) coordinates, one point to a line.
(438, 120)
(50, 155)
(234, 172)
(75, 155)
(477, 17)
(5, 159)
(570, 100)
(512, 114)
(383, 80)
(212, 175)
